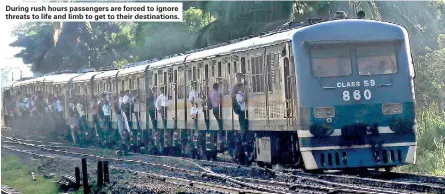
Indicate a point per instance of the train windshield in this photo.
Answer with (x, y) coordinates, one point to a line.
(330, 60)
(376, 59)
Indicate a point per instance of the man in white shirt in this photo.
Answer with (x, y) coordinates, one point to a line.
(59, 106)
(241, 100)
(193, 99)
(136, 108)
(80, 107)
(193, 95)
(161, 106)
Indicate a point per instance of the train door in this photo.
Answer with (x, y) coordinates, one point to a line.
(289, 84)
(205, 94)
(190, 82)
(256, 103)
(172, 99)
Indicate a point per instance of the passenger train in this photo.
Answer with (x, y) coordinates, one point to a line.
(336, 94)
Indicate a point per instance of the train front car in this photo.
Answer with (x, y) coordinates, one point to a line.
(355, 95)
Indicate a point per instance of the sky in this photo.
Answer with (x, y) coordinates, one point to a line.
(7, 60)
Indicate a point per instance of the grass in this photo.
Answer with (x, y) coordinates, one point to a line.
(17, 175)
(430, 143)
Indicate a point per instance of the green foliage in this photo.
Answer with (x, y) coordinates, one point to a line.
(430, 142)
(430, 79)
(197, 19)
(17, 175)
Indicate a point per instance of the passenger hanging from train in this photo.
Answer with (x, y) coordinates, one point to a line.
(94, 107)
(127, 108)
(7, 109)
(39, 112)
(120, 122)
(151, 108)
(216, 99)
(105, 107)
(136, 133)
(50, 120)
(126, 116)
(74, 124)
(194, 99)
(242, 143)
(234, 93)
(161, 106)
(242, 111)
(136, 109)
(80, 107)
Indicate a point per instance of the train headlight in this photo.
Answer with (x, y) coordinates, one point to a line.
(324, 112)
(390, 109)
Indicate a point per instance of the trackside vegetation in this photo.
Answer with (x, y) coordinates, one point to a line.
(17, 174)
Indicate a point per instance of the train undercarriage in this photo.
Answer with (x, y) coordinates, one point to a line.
(268, 149)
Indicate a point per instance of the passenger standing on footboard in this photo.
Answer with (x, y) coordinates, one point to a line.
(105, 106)
(242, 112)
(216, 99)
(151, 108)
(120, 122)
(136, 103)
(193, 99)
(161, 106)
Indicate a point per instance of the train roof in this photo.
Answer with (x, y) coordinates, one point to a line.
(140, 67)
(106, 74)
(335, 31)
(61, 78)
(260, 41)
(85, 76)
(168, 61)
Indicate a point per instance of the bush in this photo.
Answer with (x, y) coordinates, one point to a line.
(430, 143)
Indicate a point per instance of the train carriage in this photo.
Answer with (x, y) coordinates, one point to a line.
(107, 82)
(83, 86)
(132, 79)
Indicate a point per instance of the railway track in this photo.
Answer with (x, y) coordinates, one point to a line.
(300, 182)
(253, 188)
(168, 179)
(8, 190)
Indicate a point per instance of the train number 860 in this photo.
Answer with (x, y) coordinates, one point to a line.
(356, 94)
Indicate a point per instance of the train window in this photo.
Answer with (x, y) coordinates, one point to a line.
(235, 70)
(374, 59)
(213, 71)
(219, 69)
(199, 74)
(330, 60)
(122, 85)
(275, 72)
(228, 69)
(165, 79)
(206, 72)
(175, 77)
(189, 74)
(181, 85)
(243, 65)
(269, 66)
(169, 87)
(257, 82)
(194, 73)
(138, 83)
(155, 80)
